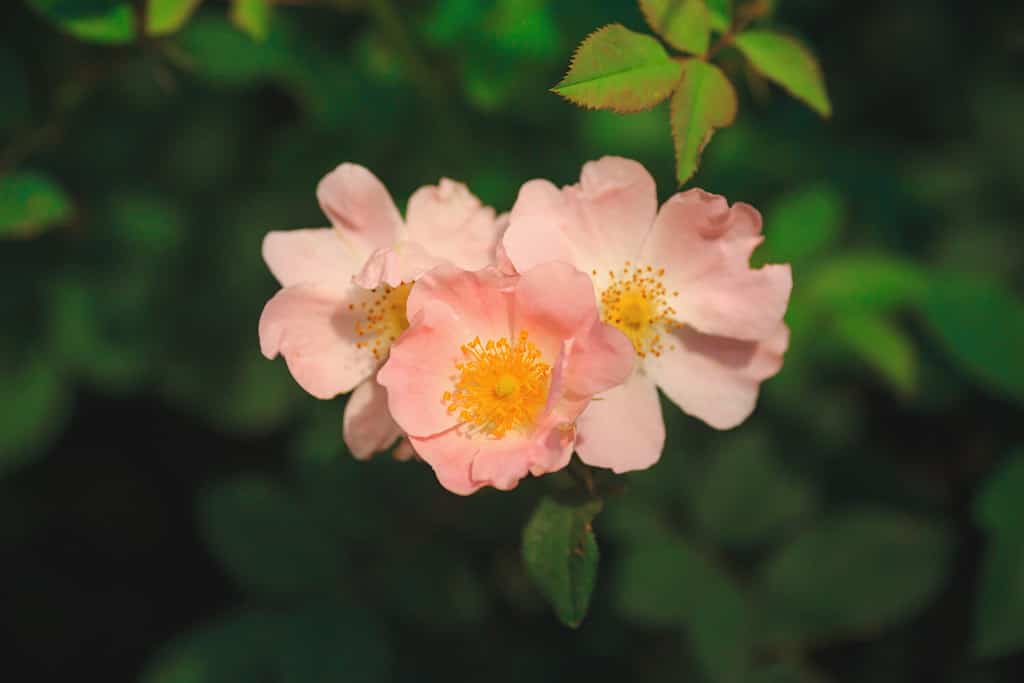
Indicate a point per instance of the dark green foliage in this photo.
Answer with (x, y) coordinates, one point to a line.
(174, 509)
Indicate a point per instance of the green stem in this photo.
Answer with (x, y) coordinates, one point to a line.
(582, 475)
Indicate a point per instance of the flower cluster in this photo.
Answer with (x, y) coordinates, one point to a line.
(496, 345)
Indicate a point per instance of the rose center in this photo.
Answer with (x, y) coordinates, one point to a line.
(635, 300)
(501, 385)
(383, 318)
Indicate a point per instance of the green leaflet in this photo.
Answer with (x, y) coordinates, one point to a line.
(30, 203)
(684, 24)
(704, 101)
(789, 63)
(560, 553)
(98, 21)
(167, 16)
(981, 326)
(858, 571)
(615, 68)
(252, 17)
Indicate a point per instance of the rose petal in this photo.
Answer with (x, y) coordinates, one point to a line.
(452, 224)
(598, 224)
(705, 248)
(367, 426)
(451, 459)
(421, 368)
(405, 262)
(360, 206)
(623, 429)
(482, 299)
(311, 256)
(313, 328)
(716, 379)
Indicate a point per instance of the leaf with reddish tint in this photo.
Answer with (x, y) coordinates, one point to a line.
(788, 62)
(704, 101)
(684, 24)
(615, 68)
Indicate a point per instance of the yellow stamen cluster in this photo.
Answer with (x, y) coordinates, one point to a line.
(501, 386)
(383, 318)
(636, 301)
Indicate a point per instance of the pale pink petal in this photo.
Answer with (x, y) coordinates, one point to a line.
(452, 224)
(539, 231)
(556, 298)
(311, 256)
(704, 247)
(618, 199)
(313, 328)
(596, 225)
(367, 426)
(360, 206)
(451, 459)
(599, 356)
(481, 299)
(465, 463)
(623, 429)
(501, 260)
(421, 368)
(600, 359)
(716, 379)
(404, 262)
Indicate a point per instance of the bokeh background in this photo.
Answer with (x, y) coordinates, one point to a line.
(174, 509)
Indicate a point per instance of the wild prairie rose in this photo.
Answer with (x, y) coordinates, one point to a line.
(705, 327)
(344, 288)
(494, 370)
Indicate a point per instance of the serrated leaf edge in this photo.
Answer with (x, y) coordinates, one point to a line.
(815, 65)
(711, 131)
(586, 105)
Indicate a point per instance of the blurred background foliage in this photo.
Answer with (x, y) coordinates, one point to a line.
(174, 509)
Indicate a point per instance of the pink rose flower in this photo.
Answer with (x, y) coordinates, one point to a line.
(344, 288)
(705, 327)
(494, 370)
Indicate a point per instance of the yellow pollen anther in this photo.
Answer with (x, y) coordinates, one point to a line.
(500, 386)
(382, 318)
(637, 302)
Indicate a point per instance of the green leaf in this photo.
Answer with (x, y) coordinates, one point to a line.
(218, 52)
(669, 584)
(615, 68)
(721, 14)
(704, 101)
(789, 63)
(239, 647)
(99, 21)
(29, 204)
(252, 17)
(34, 405)
(866, 283)
(747, 498)
(882, 345)
(999, 507)
(267, 540)
(801, 225)
(981, 326)
(560, 554)
(167, 16)
(862, 570)
(999, 610)
(684, 24)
